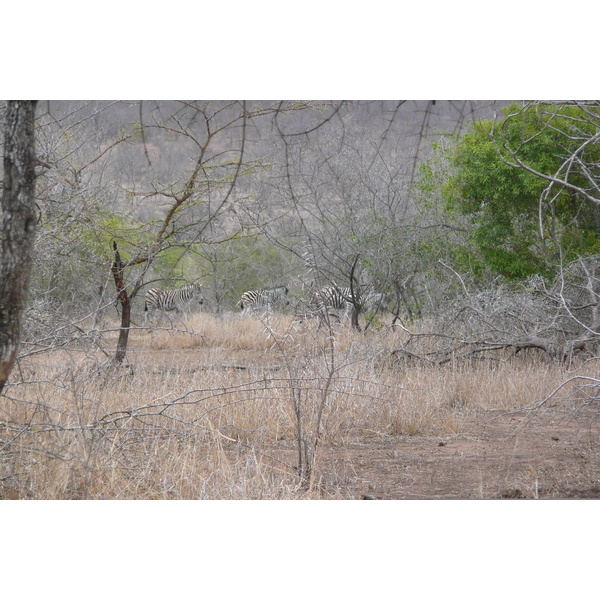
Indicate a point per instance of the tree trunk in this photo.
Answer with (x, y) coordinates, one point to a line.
(17, 227)
(354, 297)
(117, 271)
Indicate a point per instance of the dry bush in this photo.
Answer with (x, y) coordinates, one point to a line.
(211, 409)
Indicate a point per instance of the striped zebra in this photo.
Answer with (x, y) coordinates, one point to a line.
(178, 300)
(374, 302)
(338, 302)
(254, 300)
(335, 301)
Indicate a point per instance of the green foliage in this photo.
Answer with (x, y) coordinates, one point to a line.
(374, 322)
(74, 255)
(503, 201)
(104, 228)
(240, 264)
(176, 264)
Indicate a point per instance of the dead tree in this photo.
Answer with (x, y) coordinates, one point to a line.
(561, 321)
(125, 301)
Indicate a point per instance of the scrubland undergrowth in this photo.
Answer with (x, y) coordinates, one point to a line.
(234, 408)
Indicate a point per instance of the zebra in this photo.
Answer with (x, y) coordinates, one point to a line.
(339, 302)
(167, 300)
(252, 300)
(336, 299)
(374, 302)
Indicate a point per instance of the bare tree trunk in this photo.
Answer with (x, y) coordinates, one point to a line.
(17, 227)
(117, 271)
(356, 300)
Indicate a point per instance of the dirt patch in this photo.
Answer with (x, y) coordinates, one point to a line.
(550, 454)
(553, 452)
(470, 435)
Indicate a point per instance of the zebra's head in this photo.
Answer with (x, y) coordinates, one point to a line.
(375, 301)
(198, 293)
(282, 294)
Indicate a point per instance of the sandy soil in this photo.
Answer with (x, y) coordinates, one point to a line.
(549, 454)
(553, 452)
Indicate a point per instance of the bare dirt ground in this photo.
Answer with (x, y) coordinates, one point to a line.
(555, 455)
(551, 452)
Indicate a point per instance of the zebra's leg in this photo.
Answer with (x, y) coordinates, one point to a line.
(347, 313)
(324, 316)
(172, 321)
(181, 314)
(150, 319)
(178, 314)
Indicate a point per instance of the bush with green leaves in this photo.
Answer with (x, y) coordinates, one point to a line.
(521, 180)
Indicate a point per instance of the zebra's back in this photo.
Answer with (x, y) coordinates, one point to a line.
(264, 299)
(172, 300)
(339, 301)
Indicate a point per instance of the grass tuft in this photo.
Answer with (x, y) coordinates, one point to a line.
(210, 408)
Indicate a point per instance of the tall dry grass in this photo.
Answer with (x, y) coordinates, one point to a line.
(225, 408)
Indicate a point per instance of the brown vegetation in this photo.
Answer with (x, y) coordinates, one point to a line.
(214, 408)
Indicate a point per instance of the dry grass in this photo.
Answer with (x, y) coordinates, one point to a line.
(210, 409)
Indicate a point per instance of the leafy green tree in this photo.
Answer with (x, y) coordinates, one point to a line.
(526, 182)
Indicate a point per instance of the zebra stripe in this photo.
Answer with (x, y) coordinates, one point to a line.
(253, 300)
(338, 299)
(168, 300)
(374, 301)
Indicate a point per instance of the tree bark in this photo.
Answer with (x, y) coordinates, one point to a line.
(355, 297)
(17, 227)
(117, 271)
